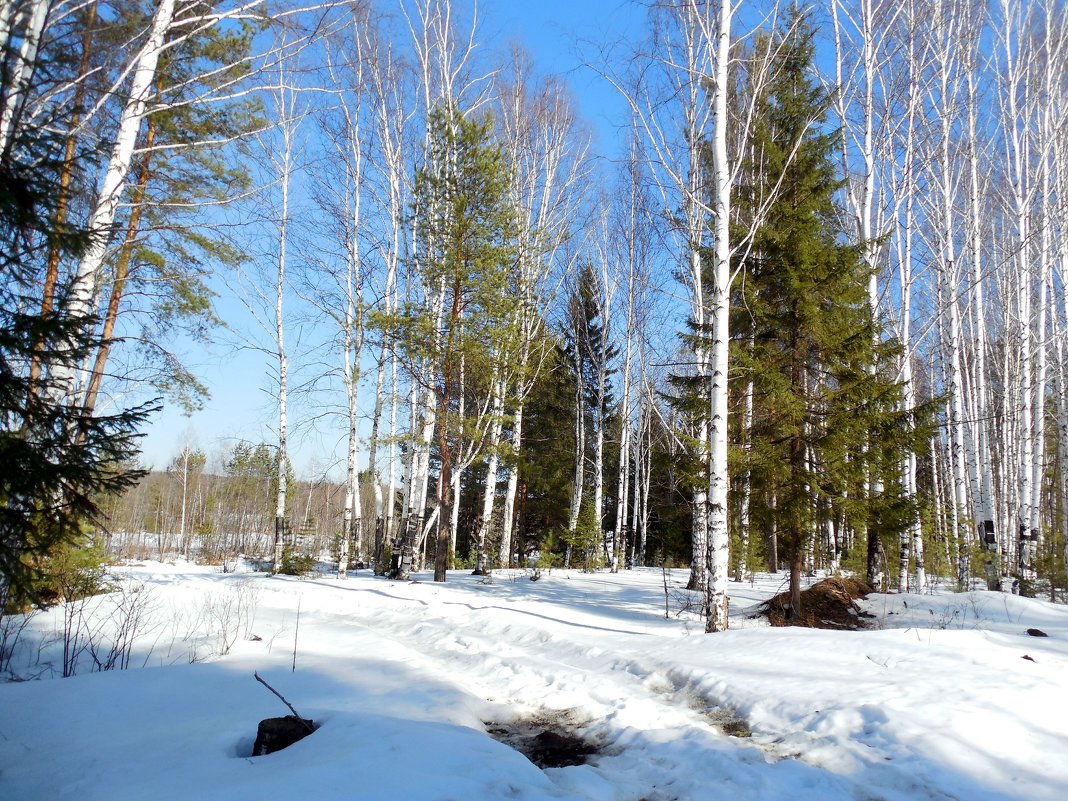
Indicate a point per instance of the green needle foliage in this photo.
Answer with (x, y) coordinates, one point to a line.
(56, 461)
(826, 405)
(172, 238)
(465, 328)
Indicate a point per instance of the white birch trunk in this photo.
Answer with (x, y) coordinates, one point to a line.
(353, 347)
(623, 478)
(7, 23)
(1060, 154)
(280, 354)
(944, 102)
(35, 14)
(351, 490)
(914, 533)
(508, 517)
(415, 531)
(489, 494)
(598, 449)
(716, 600)
(579, 479)
(1045, 284)
(645, 483)
(388, 532)
(84, 286)
(746, 490)
(390, 118)
(984, 444)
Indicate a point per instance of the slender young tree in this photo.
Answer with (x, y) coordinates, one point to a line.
(548, 151)
(340, 281)
(466, 245)
(633, 235)
(392, 109)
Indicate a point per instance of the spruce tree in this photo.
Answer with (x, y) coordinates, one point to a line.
(590, 356)
(823, 405)
(56, 459)
(546, 460)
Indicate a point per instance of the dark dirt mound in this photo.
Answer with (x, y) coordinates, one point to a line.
(827, 604)
(551, 749)
(274, 734)
(546, 744)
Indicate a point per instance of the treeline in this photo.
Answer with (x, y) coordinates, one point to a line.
(215, 513)
(803, 320)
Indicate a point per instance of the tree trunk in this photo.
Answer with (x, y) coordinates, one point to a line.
(445, 526)
(122, 269)
(598, 451)
(84, 286)
(718, 532)
(48, 291)
(511, 493)
(24, 64)
(489, 494)
(578, 483)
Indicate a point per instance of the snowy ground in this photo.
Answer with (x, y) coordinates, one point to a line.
(949, 698)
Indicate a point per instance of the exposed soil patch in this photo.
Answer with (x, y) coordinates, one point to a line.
(547, 743)
(729, 722)
(827, 604)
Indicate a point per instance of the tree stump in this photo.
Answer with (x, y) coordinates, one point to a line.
(274, 734)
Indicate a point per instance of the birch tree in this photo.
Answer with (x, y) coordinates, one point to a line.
(547, 148)
(632, 232)
(671, 99)
(391, 111)
(341, 197)
(282, 161)
(1015, 106)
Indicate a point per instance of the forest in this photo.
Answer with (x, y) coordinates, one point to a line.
(806, 313)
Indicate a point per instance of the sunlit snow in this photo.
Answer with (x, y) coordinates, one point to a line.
(948, 697)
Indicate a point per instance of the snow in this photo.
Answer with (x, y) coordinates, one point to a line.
(936, 702)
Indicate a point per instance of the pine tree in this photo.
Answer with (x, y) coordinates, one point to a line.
(167, 248)
(466, 246)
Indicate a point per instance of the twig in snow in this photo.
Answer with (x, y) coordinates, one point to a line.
(664, 571)
(296, 633)
(296, 714)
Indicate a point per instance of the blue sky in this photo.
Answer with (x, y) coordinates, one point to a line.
(242, 406)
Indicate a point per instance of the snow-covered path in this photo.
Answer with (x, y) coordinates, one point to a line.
(402, 677)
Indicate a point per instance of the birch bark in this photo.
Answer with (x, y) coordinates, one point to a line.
(84, 285)
(716, 600)
(34, 16)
